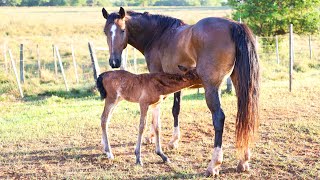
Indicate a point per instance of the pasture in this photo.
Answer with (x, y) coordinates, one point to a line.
(56, 134)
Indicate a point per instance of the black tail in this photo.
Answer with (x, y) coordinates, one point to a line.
(103, 93)
(246, 71)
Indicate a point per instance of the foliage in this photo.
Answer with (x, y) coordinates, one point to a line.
(269, 18)
(110, 2)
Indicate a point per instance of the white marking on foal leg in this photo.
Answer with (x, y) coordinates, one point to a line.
(243, 164)
(214, 165)
(175, 138)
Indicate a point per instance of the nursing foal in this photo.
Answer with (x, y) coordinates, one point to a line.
(145, 89)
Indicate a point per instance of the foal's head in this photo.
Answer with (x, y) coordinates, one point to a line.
(117, 35)
(189, 74)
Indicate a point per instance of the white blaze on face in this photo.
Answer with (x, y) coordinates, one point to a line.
(113, 35)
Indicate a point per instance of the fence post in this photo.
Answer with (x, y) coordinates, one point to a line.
(5, 59)
(124, 59)
(15, 73)
(95, 65)
(55, 61)
(135, 60)
(229, 85)
(61, 67)
(21, 64)
(290, 56)
(38, 59)
(277, 50)
(310, 47)
(74, 64)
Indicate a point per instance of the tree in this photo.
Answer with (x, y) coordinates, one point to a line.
(269, 18)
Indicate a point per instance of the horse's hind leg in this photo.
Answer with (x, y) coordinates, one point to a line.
(212, 94)
(105, 119)
(143, 119)
(175, 112)
(157, 128)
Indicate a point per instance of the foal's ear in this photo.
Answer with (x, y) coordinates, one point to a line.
(182, 68)
(105, 13)
(122, 13)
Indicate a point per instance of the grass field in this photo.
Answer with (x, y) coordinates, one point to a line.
(56, 134)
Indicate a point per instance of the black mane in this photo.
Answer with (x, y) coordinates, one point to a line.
(161, 23)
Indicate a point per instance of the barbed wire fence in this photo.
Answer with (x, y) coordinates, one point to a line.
(36, 61)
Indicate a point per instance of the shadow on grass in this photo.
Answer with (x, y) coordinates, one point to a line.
(74, 93)
(178, 175)
(201, 96)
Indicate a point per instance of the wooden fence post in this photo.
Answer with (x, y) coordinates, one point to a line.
(290, 56)
(55, 60)
(15, 73)
(21, 64)
(61, 67)
(124, 59)
(310, 47)
(95, 65)
(135, 60)
(74, 64)
(38, 59)
(5, 59)
(229, 85)
(277, 50)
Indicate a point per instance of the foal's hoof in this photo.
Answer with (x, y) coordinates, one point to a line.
(173, 145)
(242, 167)
(149, 140)
(212, 172)
(109, 155)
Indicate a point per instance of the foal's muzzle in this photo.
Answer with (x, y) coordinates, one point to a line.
(115, 63)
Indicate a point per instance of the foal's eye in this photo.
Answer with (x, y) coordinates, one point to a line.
(122, 30)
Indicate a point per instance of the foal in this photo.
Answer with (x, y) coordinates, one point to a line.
(145, 89)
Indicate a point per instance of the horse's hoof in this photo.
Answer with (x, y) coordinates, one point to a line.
(139, 163)
(242, 167)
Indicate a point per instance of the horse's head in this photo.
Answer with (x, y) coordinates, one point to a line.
(117, 35)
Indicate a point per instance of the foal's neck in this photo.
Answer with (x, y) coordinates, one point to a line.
(173, 83)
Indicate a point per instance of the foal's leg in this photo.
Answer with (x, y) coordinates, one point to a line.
(105, 119)
(143, 118)
(212, 94)
(157, 128)
(175, 112)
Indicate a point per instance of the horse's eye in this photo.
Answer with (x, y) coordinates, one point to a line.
(122, 30)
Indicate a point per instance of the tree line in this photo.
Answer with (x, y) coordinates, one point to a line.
(111, 2)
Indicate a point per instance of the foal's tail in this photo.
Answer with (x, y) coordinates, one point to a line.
(103, 93)
(246, 74)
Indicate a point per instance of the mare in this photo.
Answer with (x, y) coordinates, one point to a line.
(146, 89)
(217, 47)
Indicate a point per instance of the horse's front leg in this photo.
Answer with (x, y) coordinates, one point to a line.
(143, 118)
(213, 101)
(105, 119)
(175, 112)
(156, 123)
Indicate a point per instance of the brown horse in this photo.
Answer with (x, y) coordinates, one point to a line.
(217, 47)
(145, 89)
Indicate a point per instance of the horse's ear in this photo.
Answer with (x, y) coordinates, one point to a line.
(105, 13)
(182, 68)
(122, 13)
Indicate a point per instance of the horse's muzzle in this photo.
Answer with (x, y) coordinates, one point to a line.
(115, 63)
